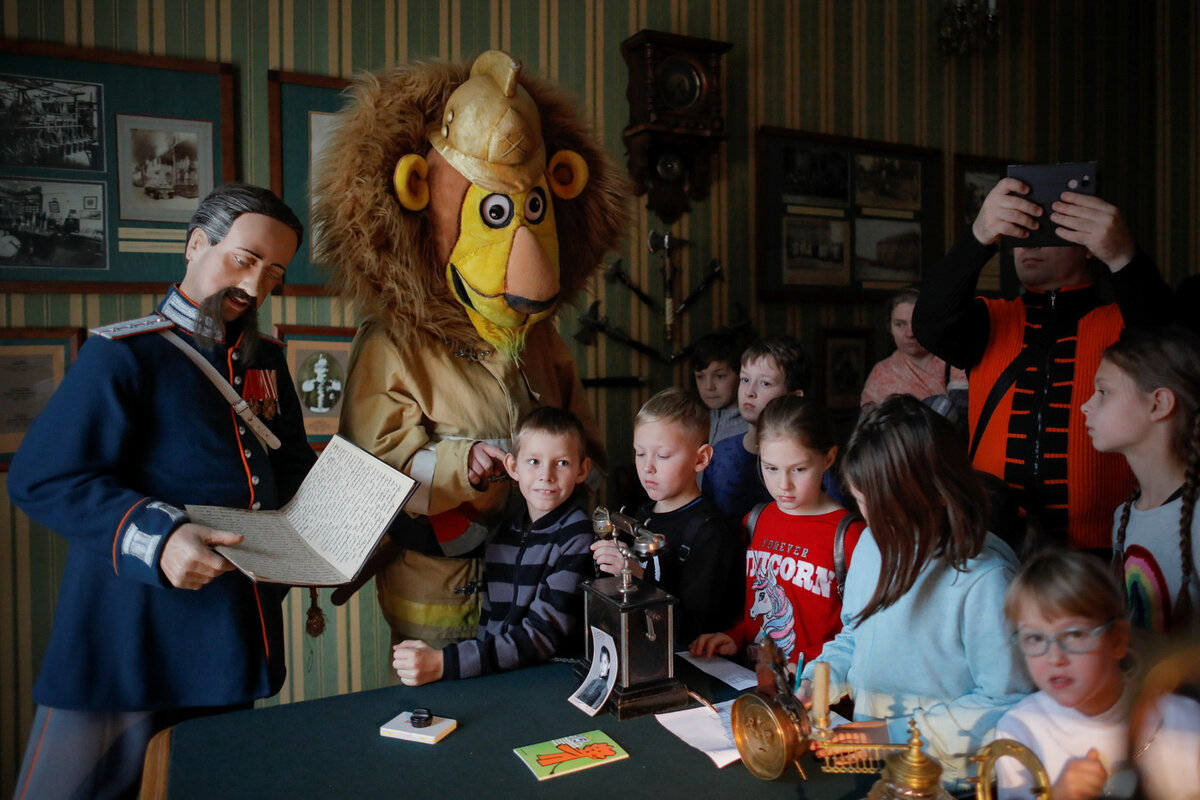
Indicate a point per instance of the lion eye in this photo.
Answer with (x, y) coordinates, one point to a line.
(535, 206)
(496, 210)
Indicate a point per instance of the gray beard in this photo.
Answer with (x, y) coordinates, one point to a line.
(210, 322)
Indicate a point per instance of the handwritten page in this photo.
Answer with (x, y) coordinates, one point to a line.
(711, 734)
(723, 669)
(339, 507)
(272, 551)
(325, 534)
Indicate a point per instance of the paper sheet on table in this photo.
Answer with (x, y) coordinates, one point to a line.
(707, 732)
(733, 674)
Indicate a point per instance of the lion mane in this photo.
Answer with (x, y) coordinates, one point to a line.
(382, 256)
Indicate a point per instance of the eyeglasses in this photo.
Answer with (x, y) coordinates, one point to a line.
(1072, 640)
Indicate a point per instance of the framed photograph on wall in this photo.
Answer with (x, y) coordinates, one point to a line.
(887, 250)
(974, 177)
(144, 137)
(318, 358)
(51, 123)
(845, 363)
(164, 167)
(839, 216)
(52, 225)
(815, 251)
(300, 102)
(33, 362)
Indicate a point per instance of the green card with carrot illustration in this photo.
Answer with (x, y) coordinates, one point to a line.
(570, 754)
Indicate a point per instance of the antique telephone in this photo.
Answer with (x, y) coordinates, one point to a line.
(640, 617)
(772, 733)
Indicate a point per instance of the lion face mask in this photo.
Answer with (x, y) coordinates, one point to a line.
(493, 198)
(464, 204)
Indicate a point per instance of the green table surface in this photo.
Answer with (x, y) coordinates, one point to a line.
(331, 748)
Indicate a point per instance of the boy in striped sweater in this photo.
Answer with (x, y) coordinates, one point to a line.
(533, 565)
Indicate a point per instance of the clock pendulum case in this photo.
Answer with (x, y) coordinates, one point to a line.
(676, 117)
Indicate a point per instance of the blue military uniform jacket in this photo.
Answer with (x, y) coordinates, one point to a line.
(135, 432)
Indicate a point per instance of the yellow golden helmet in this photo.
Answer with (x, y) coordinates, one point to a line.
(491, 128)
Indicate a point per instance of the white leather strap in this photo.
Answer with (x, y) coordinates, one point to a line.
(240, 407)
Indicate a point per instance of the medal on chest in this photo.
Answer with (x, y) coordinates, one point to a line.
(261, 392)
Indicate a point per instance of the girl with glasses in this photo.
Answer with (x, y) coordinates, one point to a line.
(1068, 619)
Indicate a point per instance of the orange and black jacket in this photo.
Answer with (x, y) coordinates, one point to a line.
(1036, 439)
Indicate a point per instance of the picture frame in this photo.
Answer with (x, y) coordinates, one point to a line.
(72, 112)
(164, 166)
(33, 362)
(298, 101)
(974, 177)
(845, 364)
(840, 216)
(318, 357)
(816, 251)
(47, 225)
(149, 246)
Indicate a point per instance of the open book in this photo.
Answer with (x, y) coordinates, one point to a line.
(324, 534)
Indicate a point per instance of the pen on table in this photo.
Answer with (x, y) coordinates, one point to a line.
(697, 697)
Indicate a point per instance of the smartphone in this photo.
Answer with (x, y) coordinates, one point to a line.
(1047, 182)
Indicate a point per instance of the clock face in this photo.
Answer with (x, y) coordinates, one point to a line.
(680, 84)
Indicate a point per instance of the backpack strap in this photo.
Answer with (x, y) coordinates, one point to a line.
(752, 520)
(839, 550)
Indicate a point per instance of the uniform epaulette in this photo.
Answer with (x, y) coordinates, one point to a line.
(271, 339)
(132, 327)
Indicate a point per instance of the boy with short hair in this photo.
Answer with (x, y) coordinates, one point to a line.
(533, 565)
(702, 561)
(716, 359)
(771, 367)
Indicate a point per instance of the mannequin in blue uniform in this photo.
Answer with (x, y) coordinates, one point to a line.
(152, 626)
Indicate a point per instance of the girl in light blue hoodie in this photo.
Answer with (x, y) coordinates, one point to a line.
(924, 635)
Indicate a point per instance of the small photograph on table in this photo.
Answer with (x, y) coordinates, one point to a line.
(598, 684)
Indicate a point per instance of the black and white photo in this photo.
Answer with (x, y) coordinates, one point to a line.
(887, 250)
(887, 182)
(52, 223)
(51, 123)
(164, 166)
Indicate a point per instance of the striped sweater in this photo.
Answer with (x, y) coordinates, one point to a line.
(532, 602)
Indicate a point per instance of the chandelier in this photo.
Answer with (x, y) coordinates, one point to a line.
(968, 26)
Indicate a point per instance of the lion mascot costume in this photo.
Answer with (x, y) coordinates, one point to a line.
(457, 209)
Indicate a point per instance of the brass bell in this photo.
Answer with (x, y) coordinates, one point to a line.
(910, 774)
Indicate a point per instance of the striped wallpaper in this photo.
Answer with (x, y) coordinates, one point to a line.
(1115, 80)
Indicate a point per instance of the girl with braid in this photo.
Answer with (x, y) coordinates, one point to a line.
(1146, 406)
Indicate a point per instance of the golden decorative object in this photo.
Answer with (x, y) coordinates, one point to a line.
(910, 774)
(986, 758)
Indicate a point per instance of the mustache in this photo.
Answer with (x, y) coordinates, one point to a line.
(211, 321)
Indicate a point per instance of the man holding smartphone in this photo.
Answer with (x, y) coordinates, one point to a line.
(1031, 360)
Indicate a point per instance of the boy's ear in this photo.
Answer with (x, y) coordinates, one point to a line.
(831, 456)
(704, 454)
(797, 392)
(510, 465)
(584, 469)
